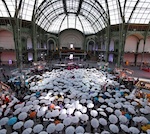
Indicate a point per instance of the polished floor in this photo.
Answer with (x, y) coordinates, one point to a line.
(138, 73)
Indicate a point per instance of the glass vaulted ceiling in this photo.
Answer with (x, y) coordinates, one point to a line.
(88, 16)
(57, 15)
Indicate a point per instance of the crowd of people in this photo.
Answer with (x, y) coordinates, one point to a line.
(78, 100)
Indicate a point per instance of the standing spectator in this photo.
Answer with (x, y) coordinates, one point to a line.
(7, 100)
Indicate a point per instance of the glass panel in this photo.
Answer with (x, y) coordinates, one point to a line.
(79, 25)
(27, 9)
(114, 12)
(3, 11)
(56, 24)
(72, 5)
(92, 16)
(11, 6)
(102, 2)
(40, 19)
(39, 2)
(129, 8)
(141, 13)
(71, 20)
(87, 26)
(64, 24)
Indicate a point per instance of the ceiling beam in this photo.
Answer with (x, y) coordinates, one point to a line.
(121, 14)
(65, 7)
(108, 13)
(18, 9)
(81, 24)
(79, 8)
(34, 10)
(103, 13)
(124, 7)
(6, 8)
(49, 22)
(51, 14)
(128, 22)
(133, 11)
(61, 23)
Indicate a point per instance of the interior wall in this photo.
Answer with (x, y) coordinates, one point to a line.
(6, 40)
(146, 58)
(131, 44)
(129, 57)
(6, 56)
(29, 43)
(68, 37)
(140, 48)
(147, 45)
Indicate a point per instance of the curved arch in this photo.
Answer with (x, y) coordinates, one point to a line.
(97, 9)
(71, 36)
(92, 44)
(54, 45)
(71, 29)
(88, 18)
(61, 23)
(51, 13)
(6, 29)
(137, 35)
(41, 9)
(97, 21)
(51, 3)
(131, 43)
(81, 23)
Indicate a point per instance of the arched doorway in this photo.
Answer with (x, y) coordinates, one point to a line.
(91, 49)
(91, 46)
(71, 36)
(51, 45)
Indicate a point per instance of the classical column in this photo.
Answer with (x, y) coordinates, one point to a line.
(136, 53)
(121, 45)
(142, 57)
(34, 37)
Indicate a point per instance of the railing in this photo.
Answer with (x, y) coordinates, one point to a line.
(70, 50)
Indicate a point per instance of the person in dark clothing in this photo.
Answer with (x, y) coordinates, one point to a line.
(4, 76)
(20, 97)
(7, 77)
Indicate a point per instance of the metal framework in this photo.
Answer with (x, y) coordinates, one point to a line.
(99, 12)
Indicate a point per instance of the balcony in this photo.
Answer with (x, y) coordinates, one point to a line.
(6, 49)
